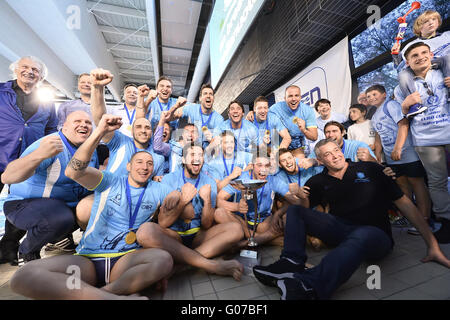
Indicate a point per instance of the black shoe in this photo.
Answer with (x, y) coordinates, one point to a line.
(443, 234)
(295, 289)
(278, 270)
(27, 257)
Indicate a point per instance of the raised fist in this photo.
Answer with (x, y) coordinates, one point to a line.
(101, 77)
(50, 146)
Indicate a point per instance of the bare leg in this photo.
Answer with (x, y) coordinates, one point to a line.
(51, 278)
(423, 200)
(222, 215)
(151, 235)
(138, 270)
(217, 239)
(84, 208)
(403, 183)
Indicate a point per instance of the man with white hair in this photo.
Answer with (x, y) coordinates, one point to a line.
(23, 120)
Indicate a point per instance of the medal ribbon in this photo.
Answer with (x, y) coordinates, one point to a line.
(259, 196)
(225, 163)
(201, 116)
(161, 107)
(257, 125)
(289, 178)
(196, 182)
(67, 144)
(130, 119)
(138, 204)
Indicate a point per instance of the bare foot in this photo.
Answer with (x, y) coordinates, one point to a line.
(228, 268)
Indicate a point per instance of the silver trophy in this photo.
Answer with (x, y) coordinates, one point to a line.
(249, 256)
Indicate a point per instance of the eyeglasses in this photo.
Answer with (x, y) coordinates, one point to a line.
(429, 91)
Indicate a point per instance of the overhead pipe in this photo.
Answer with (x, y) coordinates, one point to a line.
(200, 68)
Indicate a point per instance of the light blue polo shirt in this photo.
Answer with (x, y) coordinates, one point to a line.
(110, 215)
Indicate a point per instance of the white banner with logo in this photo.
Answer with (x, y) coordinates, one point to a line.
(328, 77)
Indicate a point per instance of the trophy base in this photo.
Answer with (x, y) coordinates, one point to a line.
(249, 258)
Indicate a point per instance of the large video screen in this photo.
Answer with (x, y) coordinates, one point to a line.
(229, 23)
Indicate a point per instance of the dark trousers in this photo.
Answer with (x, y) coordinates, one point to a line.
(45, 220)
(353, 245)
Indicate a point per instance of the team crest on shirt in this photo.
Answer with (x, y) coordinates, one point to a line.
(361, 178)
(116, 199)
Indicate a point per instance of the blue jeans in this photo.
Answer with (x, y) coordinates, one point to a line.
(353, 245)
(406, 76)
(45, 219)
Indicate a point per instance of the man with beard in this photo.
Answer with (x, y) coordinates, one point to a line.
(202, 115)
(269, 226)
(359, 195)
(229, 163)
(42, 199)
(110, 262)
(190, 236)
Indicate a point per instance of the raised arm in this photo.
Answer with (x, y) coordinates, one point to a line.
(142, 104)
(78, 168)
(24, 167)
(100, 78)
(286, 138)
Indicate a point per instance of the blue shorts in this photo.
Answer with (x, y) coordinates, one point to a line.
(103, 267)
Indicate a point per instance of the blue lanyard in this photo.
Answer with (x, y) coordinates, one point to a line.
(196, 182)
(289, 178)
(343, 146)
(225, 163)
(67, 144)
(161, 107)
(240, 130)
(201, 116)
(136, 209)
(130, 119)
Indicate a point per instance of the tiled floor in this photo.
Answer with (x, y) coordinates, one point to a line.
(403, 277)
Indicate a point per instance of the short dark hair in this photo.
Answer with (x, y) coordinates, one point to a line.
(334, 123)
(164, 78)
(316, 105)
(82, 75)
(136, 153)
(378, 87)
(413, 46)
(191, 145)
(359, 106)
(322, 143)
(206, 86)
(282, 151)
(238, 103)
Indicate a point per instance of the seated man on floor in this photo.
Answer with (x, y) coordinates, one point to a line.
(110, 262)
(359, 195)
(190, 235)
(38, 183)
(270, 226)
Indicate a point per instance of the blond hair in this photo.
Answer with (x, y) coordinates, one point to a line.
(422, 18)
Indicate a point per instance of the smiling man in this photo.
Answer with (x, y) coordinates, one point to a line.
(38, 183)
(297, 117)
(190, 235)
(357, 226)
(430, 129)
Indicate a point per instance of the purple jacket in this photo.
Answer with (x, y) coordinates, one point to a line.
(16, 134)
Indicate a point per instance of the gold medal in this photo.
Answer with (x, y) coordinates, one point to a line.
(295, 120)
(130, 238)
(268, 132)
(129, 127)
(204, 128)
(187, 221)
